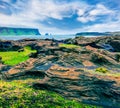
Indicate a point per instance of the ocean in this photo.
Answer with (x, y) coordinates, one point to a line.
(57, 37)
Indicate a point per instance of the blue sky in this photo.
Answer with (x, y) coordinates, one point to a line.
(61, 16)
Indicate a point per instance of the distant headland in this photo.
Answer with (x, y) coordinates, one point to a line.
(4, 31)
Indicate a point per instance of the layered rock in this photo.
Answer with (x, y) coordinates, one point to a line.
(70, 72)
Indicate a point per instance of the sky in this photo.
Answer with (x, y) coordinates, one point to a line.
(61, 16)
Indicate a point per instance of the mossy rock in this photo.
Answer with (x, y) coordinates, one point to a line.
(101, 70)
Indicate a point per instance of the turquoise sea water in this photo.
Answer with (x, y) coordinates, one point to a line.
(57, 37)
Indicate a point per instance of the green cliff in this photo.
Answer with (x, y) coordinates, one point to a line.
(4, 31)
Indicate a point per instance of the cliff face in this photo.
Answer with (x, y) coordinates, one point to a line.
(98, 34)
(18, 31)
(92, 34)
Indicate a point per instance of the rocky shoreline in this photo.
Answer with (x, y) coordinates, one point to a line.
(71, 71)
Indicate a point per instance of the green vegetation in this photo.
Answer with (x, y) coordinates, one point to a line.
(7, 31)
(16, 57)
(69, 46)
(20, 94)
(102, 70)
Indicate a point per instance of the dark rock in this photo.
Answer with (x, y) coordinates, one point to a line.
(16, 47)
(1, 60)
(8, 46)
(117, 57)
(99, 59)
(116, 45)
(33, 55)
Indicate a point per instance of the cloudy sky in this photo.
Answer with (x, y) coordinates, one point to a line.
(61, 16)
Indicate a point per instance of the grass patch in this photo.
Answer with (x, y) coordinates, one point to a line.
(20, 94)
(69, 46)
(15, 57)
(102, 70)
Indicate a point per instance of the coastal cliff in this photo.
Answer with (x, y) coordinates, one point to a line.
(4, 31)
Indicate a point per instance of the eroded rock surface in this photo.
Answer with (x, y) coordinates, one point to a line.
(75, 83)
(68, 71)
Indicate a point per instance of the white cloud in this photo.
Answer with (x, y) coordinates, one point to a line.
(85, 19)
(110, 26)
(40, 10)
(81, 12)
(92, 14)
(31, 13)
(43, 9)
(104, 27)
(101, 10)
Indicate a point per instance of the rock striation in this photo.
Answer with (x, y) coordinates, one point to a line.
(71, 72)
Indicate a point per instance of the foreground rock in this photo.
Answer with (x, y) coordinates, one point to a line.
(98, 42)
(71, 72)
(74, 83)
